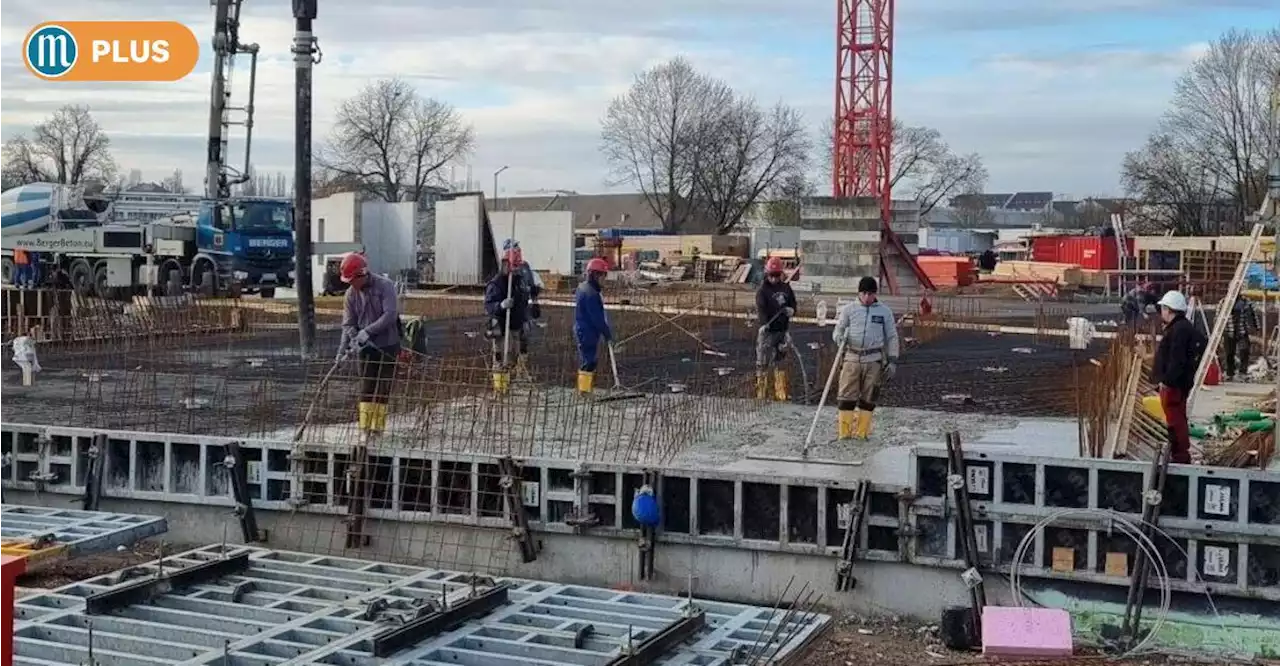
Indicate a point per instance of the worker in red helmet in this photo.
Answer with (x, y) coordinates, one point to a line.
(510, 300)
(775, 306)
(370, 331)
(590, 323)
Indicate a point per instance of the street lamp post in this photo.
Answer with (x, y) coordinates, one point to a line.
(495, 181)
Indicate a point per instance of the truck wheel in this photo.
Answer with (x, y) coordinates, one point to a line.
(7, 270)
(267, 292)
(100, 288)
(81, 277)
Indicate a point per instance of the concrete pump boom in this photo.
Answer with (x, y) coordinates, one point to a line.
(219, 176)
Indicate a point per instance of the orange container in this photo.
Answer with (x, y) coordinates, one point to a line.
(948, 271)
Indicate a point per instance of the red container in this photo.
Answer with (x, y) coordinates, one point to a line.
(1092, 252)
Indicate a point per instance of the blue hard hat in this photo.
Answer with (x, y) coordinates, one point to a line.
(644, 508)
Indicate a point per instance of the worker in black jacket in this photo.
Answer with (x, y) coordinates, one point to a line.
(1235, 342)
(1174, 371)
(775, 306)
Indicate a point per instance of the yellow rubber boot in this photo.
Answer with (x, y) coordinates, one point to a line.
(780, 386)
(762, 386)
(845, 422)
(364, 410)
(864, 425)
(377, 417)
(501, 382)
(585, 381)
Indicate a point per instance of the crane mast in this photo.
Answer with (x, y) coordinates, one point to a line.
(220, 176)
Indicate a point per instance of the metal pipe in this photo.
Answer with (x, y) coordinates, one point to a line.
(305, 52)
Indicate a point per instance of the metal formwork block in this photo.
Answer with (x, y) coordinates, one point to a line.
(799, 515)
(39, 532)
(302, 609)
(1223, 525)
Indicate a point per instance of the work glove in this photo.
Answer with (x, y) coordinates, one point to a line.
(342, 353)
(890, 369)
(507, 303)
(361, 339)
(535, 311)
(789, 312)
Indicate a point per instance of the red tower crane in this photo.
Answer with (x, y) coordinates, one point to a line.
(864, 121)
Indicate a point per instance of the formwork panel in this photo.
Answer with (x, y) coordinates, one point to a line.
(299, 608)
(36, 531)
(1220, 523)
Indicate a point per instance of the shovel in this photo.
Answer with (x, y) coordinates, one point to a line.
(618, 392)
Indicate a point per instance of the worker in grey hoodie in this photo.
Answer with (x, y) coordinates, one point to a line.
(870, 338)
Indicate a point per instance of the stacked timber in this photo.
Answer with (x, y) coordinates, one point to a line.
(1037, 271)
(948, 271)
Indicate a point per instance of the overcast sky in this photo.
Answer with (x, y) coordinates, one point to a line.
(1050, 92)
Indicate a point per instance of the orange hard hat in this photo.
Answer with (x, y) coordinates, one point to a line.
(598, 265)
(773, 265)
(353, 266)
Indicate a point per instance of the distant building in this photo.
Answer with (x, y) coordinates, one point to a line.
(593, 212)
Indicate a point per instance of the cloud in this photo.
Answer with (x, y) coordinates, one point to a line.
(534, 77)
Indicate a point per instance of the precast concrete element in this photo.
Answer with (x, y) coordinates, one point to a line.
(39, 533)
(299, 609)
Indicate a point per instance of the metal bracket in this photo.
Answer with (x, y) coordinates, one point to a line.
(649, 535)
(238, 470)
(144, 590)
(852, 532)
(93, 476)
(510, 484)
(581, 519)
(653, 648)
(415, 631)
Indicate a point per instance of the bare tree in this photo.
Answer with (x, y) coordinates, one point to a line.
(970, 210)
(1214, 144)
(922, 165)
(749, 152)
(1172, 184)
(785, 198)
(394, 142)
(68, 148)
(656, 137)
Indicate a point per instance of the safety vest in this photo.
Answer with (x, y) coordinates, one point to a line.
(20, 257)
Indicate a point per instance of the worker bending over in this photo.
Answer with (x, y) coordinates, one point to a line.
(590, 323)
(1174, 371)
(1135, 303)
(870, 338)
(371, 331)
(775, 306)
(509, 300)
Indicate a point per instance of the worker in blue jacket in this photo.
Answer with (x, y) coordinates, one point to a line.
(590, 323)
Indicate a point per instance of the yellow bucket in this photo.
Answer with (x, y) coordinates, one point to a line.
(1151, 405)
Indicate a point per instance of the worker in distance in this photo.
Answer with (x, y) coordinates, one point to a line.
(590, 322)
(775, 306)
(869, 336)
(510, 300)
(371, 332)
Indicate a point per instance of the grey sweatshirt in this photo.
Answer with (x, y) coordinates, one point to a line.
(372, 309)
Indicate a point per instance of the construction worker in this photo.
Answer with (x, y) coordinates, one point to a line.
(590, 323)
(775, 306)
(508, 300)
(1135, 303)
(1174, 371)
(21, 268)
(870, 337)
(1235, 343)
(371, 331)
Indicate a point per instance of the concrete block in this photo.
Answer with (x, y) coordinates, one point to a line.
(1026, 632)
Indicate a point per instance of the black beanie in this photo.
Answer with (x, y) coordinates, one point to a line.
(867, 285)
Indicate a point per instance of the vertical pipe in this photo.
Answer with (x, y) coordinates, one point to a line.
(304, 50)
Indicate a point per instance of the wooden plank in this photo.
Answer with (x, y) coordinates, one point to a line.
(1224, 309)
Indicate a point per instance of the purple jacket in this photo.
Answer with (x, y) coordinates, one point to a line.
(372, 309)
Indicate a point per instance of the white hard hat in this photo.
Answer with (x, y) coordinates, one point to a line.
(1174, 300)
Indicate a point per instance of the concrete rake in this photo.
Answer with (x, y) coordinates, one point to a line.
(618, 392)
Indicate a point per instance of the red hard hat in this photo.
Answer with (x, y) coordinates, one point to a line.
(598, 265)
(353, 266)
(773, 265)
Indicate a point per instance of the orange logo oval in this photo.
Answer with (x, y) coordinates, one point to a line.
(110, 51)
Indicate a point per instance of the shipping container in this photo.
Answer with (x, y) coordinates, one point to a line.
(1093, 252)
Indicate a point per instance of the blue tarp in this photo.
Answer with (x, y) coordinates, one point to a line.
(1259, 276)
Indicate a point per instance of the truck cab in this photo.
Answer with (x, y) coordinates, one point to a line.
(250, 242)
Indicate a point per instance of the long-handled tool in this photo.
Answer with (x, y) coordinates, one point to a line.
(324, 383)
(618, 392)
(813, 426)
